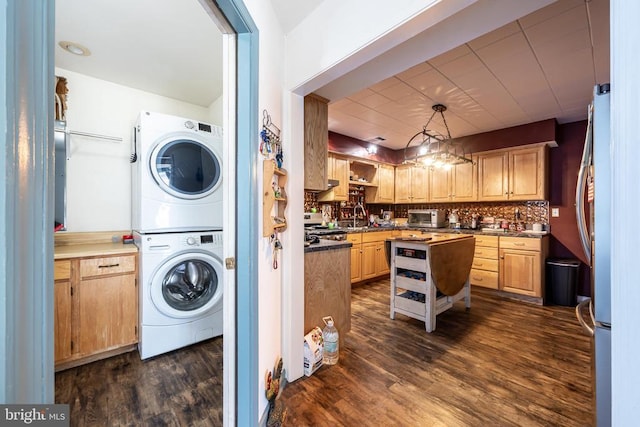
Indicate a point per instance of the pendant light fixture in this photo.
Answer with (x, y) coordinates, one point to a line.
(432, 149)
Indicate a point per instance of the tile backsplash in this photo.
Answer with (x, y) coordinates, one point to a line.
(530, 211)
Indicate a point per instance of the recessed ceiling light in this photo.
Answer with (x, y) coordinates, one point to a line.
(74, 48)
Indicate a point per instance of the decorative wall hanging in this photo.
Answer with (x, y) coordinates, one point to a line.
(270, 144)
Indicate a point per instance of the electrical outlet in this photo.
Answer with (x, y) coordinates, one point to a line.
(555, 212)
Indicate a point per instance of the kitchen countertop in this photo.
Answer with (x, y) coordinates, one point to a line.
(327, 245)
(93, 249)
(445, 230)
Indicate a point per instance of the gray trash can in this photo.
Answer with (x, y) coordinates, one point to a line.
(562, 280)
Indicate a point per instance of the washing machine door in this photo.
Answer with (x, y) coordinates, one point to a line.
(185, 167)
(188, 285)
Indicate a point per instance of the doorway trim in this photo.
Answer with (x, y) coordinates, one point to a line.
(241, 121)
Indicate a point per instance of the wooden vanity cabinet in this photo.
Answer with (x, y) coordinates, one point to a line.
(96, 308)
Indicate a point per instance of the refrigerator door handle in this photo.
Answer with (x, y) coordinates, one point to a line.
(579, 309)
(583, 229)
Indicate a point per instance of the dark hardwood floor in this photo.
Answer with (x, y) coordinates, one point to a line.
(181, 388)
(502, 363)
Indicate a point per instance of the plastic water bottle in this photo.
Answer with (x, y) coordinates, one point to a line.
(331, 344)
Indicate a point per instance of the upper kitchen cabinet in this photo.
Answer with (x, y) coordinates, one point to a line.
(493, 172)
(316, 134)
(338, 169)
(457, 184)
(412, 184)
(517, 174)
(528, 174)
(385, 190)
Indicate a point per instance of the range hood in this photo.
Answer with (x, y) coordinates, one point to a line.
(330, 184)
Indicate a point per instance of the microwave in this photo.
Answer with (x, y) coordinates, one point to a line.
(431, 218)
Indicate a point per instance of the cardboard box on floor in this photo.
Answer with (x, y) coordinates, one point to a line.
(313, 351)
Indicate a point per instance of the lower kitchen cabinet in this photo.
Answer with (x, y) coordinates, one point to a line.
(96, 308)
(108, 313)
(484, 270)
(62, 294)
(356, 256)
(372, 258)
(327, 291)
(356, 262)
(368, 260)
(522, 265)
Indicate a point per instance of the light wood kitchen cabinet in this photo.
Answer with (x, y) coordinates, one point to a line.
(484, 270)
(493, 169)
(356, 256)
(108, 304)
(62, 297)
(368, 260)
(316, 134)
(327, 290)
(412, 184)
(96, 313)
(381, 264)
(527, 174)
(518, 174)
(338, 168)
(374, 260)
(457, 184)
(522, 265)
(384, 192)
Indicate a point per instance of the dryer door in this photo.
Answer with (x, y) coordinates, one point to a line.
(185, 167)
(188, 285)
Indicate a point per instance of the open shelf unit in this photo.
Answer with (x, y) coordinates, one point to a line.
(274, 198)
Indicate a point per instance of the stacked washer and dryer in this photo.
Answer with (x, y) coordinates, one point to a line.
(177, 225)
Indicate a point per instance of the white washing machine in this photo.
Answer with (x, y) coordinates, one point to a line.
(181, 288)
(176, 175)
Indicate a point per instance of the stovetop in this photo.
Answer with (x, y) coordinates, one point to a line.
(323, 230)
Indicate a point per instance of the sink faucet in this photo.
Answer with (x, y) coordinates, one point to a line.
(355, 209)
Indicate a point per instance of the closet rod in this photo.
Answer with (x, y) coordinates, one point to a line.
(95, 135)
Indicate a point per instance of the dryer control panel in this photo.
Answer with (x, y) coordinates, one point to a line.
(213, 239)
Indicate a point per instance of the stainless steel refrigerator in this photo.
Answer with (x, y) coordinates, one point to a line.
(593, 211)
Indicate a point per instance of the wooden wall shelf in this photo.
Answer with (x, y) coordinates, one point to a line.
(272, 201)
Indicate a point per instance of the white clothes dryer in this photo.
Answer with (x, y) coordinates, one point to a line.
(176, 175)
(181, 289)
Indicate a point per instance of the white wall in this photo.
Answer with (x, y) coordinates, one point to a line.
(271, 78)
(98, 171)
